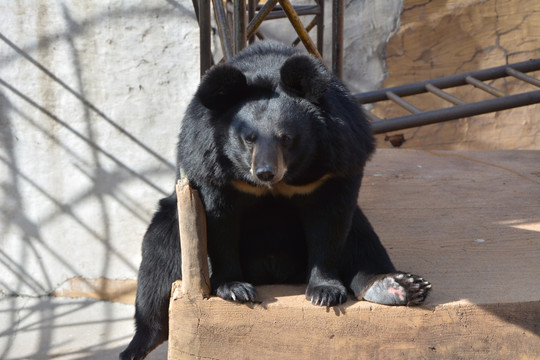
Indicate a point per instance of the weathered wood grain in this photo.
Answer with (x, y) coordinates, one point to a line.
(286, 326)
(192, 225)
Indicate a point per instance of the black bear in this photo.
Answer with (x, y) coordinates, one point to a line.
(276, 146)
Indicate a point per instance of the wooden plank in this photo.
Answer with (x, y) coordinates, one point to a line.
(286, 326)
(467, 221)
(192, 226)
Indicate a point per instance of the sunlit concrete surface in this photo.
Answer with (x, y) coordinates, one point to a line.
(64, 328)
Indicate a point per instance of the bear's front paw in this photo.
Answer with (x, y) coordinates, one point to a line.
(326, 294)
(237, 291)
(398, 289)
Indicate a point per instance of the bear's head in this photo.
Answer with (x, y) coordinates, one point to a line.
(288, 123)
(271, 118)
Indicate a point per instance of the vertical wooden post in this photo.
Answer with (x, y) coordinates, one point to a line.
(192, 224)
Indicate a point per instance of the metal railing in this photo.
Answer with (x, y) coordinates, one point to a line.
(237, 25)
(459, 108)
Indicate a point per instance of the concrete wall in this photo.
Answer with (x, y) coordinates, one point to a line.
(442, 38)
(91, 98)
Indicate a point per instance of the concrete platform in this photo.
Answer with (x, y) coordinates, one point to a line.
(467, 221)
(66, 329)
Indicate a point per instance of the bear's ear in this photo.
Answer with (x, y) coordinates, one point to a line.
(306, 77)
(221, 87)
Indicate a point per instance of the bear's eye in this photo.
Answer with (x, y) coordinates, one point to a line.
(250, 138)
(286, 140)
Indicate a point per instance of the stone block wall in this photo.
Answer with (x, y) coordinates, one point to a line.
(442, 38)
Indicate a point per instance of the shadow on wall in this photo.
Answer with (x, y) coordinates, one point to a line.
(66, 329)
(79, 181)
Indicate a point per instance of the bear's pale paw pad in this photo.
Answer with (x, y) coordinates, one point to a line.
(398, 289)
(237, 291)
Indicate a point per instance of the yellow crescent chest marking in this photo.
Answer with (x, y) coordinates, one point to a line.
(280, 189)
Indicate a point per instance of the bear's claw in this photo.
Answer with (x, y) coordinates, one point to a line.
(326, 295)
(237, 291)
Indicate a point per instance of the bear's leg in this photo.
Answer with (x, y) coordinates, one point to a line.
(371, 273)
(326, 218)
(160, 267)
(223, 250)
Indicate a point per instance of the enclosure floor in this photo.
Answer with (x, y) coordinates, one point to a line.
(467, 221)
(66, 329)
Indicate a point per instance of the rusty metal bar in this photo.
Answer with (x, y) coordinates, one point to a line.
(456, 112)
(310, 26)
(252, 5)
(337, 37)
(447, 82)
(223, 29)
(482, 86)
(299, 27)
(261, 15)
(320, 27)
(269, 11)
(239, 20)
(446, 96)
(524, 77)
(407, 106)
(205, 32)
(301, 10)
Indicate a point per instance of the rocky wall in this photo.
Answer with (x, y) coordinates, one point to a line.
(442, 38)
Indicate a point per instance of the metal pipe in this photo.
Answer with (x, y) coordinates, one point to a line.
(299, 27)
(301, 10)
(252, 4)
(372, 117)
(239, 16)
(205, 32)
(446, 82)
(524, 77)
(310, 26)
(487, 88)
(446, 96)
(456, 112)
(404, 104)
(337, 37)
(223, 28)
(261, 15)
(320, 27)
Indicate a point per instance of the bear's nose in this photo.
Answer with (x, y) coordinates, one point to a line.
(265, 173)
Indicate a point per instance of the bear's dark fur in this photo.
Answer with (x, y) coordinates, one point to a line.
(276, 147)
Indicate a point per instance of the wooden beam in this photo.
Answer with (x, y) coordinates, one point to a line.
(286, 326)
(192, 224)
